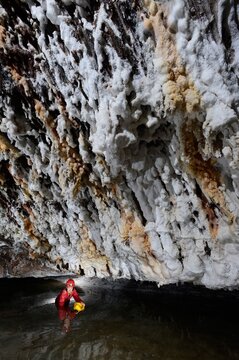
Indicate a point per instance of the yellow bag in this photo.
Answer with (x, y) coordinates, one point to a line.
(78, 306)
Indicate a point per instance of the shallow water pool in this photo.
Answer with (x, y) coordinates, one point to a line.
(123, 320)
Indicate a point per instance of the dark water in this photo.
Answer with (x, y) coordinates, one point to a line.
(123, 320)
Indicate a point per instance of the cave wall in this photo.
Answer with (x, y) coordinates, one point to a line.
(119, 139)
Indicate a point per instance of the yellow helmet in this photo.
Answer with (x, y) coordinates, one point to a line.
(78, 306)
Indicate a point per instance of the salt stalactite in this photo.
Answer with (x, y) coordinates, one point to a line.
(119, 139)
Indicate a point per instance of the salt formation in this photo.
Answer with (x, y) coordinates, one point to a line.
(119, 139)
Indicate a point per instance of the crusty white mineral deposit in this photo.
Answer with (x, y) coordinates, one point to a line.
(119, 139)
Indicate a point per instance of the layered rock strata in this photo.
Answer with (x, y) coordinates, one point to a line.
(119, 139)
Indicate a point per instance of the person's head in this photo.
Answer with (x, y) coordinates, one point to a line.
(70, 284)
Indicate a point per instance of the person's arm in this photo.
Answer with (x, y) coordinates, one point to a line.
(76, 296)
(62, 298)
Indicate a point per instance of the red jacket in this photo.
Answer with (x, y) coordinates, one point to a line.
(63, 298)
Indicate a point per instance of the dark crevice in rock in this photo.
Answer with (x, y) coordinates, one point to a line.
(114, 204)
(49, 30)
(94, 269)
(90, 10)
(108, 269)
(180, 256)
(61, 74)
(226, 34)
(202, 229)
(106, 64)
(82, 90)
(196, 213)
(23, 164)
(130, 97)
(19, 100)
(81, 271)
(10, 182)
(142, 131)
(65, 266)
(3, 201)
(18, 7)
(57, 206)
(71, 8)
(85, 128)
(54, 113)
(207, 249)
(75, 134)
(114, 247)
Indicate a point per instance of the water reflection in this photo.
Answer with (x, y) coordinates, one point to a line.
(66, 315)
(118, 323)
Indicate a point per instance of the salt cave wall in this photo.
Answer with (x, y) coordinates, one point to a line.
(119, 139)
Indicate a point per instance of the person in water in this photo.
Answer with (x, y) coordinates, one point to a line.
(62, 303)
(64, 297)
